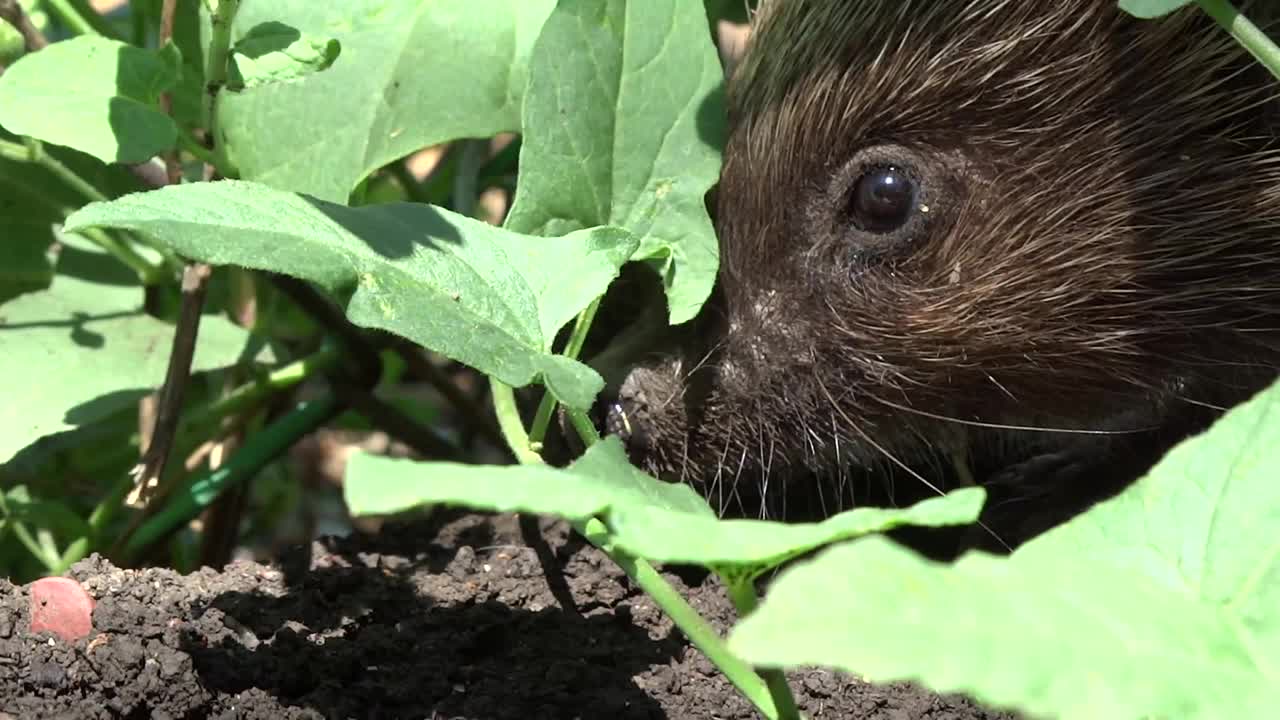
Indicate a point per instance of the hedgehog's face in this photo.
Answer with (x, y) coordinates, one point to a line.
(921, 243)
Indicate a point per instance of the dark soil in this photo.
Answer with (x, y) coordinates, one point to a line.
(460, 616)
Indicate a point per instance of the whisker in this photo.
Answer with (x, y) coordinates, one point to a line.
(894, 459)
(1003, 426)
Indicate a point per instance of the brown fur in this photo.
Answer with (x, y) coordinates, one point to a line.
(1101, 253)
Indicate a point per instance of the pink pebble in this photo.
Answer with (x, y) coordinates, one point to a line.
(60, 606)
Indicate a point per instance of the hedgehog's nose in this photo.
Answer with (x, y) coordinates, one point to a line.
(624, 412)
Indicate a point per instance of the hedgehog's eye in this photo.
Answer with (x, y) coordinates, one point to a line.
(883, 199)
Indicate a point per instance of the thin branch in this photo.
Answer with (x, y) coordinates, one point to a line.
(11, 12)
(173, 169)
(151, 467)
(195, 283)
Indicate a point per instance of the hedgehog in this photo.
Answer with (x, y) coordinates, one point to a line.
(1027, 245)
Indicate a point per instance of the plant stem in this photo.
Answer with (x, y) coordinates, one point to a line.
(102, 514)
(466, 182)
(215, 71)
(150, 469)
(702, 635)
(68, 15)
(172, 166)
(242, 398)
(24, 536)
(33, 546)
(262, 448)
(586, 429)
(547, 405)
(148, 273)
(694, 627)
(1245, 32)
(96, 20)
(255, 392)
(542, 419)
(32, 151)
(138, 23)
(504, 405)
(195, 275)
(742, 593)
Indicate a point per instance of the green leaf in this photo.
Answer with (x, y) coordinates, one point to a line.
(623, 125)
(1106, 616)
(1148, 9)
(96, 95)
(649, 518)
(421, 73)
(598, 481)
(83, 349)
(476, 293)
(758, 545)
(274, 53)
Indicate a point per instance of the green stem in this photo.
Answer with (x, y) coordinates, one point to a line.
(148, 273)
(1245, 32)
(24, 536)
(586, 429)
(96, 20)
(215, 72)
(542, 419)
(103, 513)
(702, 635)
(32, 151)
(46, 558)
(138, 22)
(694, 627)
(257, 391)
(504, 405)
(239, 400)
(547, 405)
(202, 153)
(742, 593)
(262, 448)
(466, 183)
(68, 14)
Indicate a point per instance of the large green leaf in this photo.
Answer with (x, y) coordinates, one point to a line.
(623, 126)
(412, 74)
(1163, 602)
(649, 518)
(482, 295)
(757, 545)
(82, 349)
(93, 94)
(598, 481)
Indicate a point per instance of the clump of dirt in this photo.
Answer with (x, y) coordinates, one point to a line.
(453, 616)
